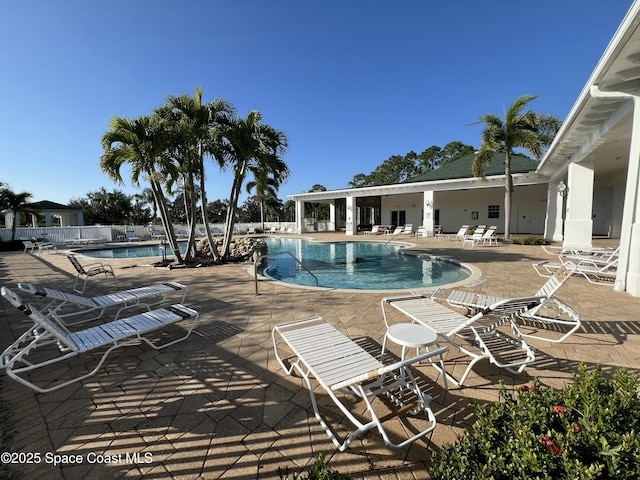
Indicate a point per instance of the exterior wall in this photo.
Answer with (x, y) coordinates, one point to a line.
(411, 203)
(456, 207)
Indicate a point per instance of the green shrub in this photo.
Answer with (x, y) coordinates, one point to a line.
(11, 245)
(318, 471)
(588, 430)
(529, 241)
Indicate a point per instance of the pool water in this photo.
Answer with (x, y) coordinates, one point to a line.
(358, 265)
(137, 251)
(346, 265)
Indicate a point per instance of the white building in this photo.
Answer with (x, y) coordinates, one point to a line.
(587, 183)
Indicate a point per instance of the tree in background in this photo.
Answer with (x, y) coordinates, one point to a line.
(266, 187)
(16, 203)
(399, 169)
(106, 208)
(531, 131)
(217, 210)
(318, 211)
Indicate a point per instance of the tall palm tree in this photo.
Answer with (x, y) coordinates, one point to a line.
(18, 204)
(531, 131)
(200, 125)
(250, 145)
(265, 187)
(142, 142)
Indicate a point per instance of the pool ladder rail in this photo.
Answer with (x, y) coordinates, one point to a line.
(261, 257)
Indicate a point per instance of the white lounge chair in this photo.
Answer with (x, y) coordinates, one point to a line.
(394, 233)
(130, 236)
(341, 366)
(474, 239)
(34, 246)
(374, 230)
(29, 246)
(90, 270)
(408, 229)
(156, 234)
(72, 309)
(596, 273)
(553, 316)
(486, 341)
(462, 233)
(596, 258)
(481, 237)
(48, 342)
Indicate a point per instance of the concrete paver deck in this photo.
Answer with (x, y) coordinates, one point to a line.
(218, 405)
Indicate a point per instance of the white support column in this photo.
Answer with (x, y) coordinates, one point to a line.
(553, 222)
(630, 235)
(578, 227)
(332, 216)
(300, 216)
(351, 212)
(628, 277)
(427, 212)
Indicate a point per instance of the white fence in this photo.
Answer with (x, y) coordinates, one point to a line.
(105, 234)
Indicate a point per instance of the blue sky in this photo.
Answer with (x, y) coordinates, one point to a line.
(350, 82)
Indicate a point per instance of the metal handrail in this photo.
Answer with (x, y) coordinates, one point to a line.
(259, 258)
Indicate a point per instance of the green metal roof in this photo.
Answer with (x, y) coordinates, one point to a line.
(461, 168)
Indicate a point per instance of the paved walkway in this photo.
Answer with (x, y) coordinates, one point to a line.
(218, 406)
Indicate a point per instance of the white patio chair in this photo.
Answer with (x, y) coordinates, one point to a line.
(373, 231)
(156, 234)
(485, 340)
(489, 236)
(48, 342)
(130, 236)
(595, 272)
(408, 229)
(552, 316)
(474, 239)
(72, 309)
(595, 258)
(396, 232)
(91, 270)
(29, 246)
(462, 233)
(341, 366)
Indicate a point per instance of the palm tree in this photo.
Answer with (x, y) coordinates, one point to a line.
(18, 204)
(265, 187)
(142, 143)
(249, 145)
(531, 131)
(200, 127)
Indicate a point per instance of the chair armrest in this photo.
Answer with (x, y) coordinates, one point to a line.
(392, 367)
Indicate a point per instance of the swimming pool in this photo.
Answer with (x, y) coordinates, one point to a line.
(344, 265)
(359, 265)
(136, 251)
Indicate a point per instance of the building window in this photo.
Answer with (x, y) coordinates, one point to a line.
(494, 211)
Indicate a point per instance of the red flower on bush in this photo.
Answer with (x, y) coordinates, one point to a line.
(560, 409)
(534, 389)
(576, 427)
(551, 445)
(524, 388)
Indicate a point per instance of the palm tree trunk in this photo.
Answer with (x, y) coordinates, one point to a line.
(233, 203)
(508, 190)
(205, 216)
(165, 218)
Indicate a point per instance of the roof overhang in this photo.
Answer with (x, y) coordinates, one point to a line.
(419, 187)
(597, 124)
